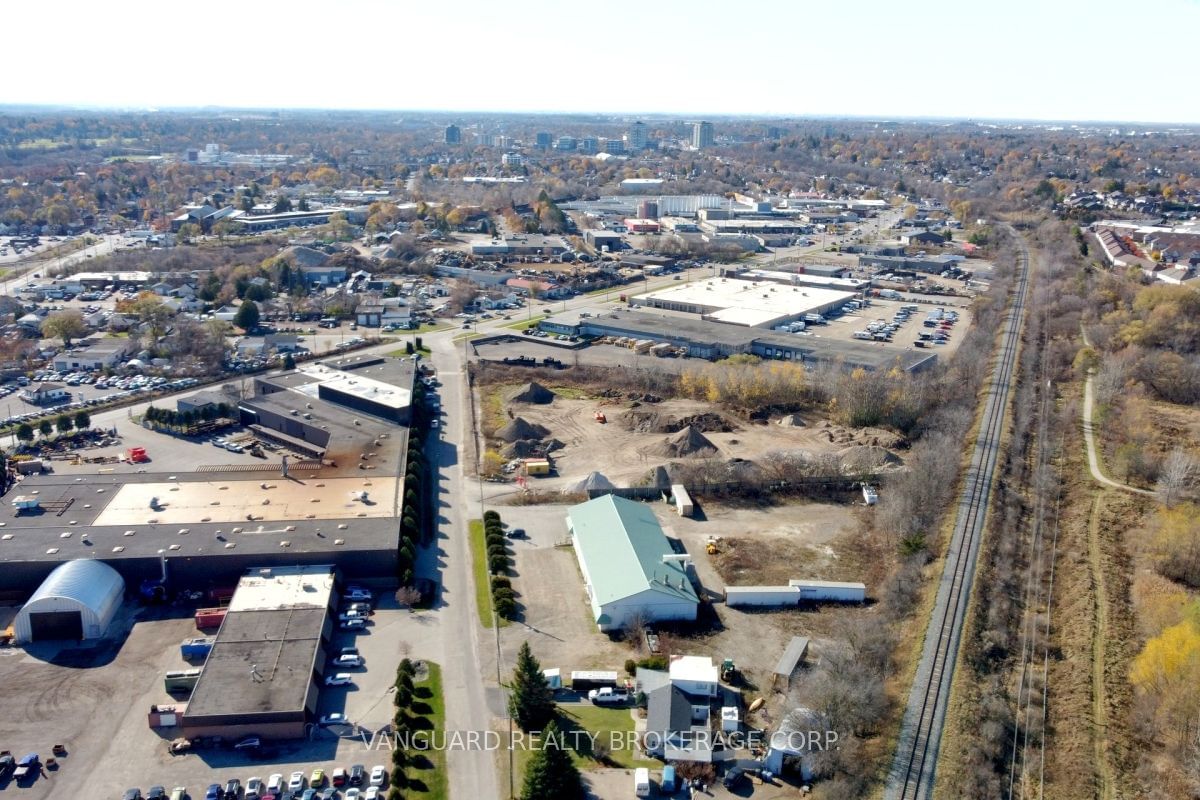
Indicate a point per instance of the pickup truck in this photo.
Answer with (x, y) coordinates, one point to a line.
(28, 765)
(608, 696)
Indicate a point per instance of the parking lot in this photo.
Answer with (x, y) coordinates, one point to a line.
(909, 328)
(95, 701)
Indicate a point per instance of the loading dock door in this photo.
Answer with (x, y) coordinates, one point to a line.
(56, 625)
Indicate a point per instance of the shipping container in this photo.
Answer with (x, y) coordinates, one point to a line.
(210, 617)
(181, 680)
(585, 680)
(196, 649)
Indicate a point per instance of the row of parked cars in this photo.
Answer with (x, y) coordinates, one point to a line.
(339, 784)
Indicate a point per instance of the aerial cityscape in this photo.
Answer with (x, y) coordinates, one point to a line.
(786, 416)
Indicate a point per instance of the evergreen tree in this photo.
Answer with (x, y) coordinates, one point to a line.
(551, 775)
(531, 703)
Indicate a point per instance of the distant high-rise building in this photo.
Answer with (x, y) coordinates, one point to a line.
(636, 136)
(565, 143)
(614, 146)
(453, 134)
(543, 140)
(590, 145)
(702, 135)
(512, 160)
(774, 132)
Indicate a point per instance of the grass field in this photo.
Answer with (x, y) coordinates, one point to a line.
(611, 728)
(522, 324)
(427, 775)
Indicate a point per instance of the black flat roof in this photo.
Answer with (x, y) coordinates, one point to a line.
(261, 663)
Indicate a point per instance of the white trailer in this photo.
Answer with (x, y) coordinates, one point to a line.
(830, 591)
(683, 501)
(762, 596)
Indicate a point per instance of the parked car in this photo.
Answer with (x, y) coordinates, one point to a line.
(340, 679)
(213, 792)
(317, 779)
(358, 774)
(132, 794)
(348, 661)
(157, 793)
(296, 782)
(233, 789)
(336, 718)
(378, 775)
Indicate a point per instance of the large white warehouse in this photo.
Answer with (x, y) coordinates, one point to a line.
(629, 569)
(755, 304)
(77, 601)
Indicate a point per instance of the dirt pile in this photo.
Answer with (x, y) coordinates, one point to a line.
(530, 448)
(520, 428)
(868, 458)
(654, 422)
(687, 443)
(791, 421)
(869, 437)
(532, 392)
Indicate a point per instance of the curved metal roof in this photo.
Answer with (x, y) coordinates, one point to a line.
(90, 583)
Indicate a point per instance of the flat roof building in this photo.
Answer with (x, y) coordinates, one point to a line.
(755, 304)
(337, 503)
(262, 675)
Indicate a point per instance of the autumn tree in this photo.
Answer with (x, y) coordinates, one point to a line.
(151, 312)
(66, 325)
(1177, 543)
(1166, 672)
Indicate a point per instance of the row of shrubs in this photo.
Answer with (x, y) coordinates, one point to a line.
(413, 530)
(409, 718)
(499, 563)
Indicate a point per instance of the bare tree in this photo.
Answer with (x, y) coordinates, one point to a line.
(408, 596)
(1177, 477)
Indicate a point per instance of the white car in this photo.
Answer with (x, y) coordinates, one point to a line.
(296, 782)
(373, 793)
(275, 783)
(356, 624)
(353, 793)
(348, 661)
(340, 679)
(334, 719)
(378, 775)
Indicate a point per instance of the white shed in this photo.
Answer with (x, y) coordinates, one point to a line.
(77, 601)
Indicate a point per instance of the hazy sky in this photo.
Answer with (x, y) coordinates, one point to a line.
(1028, 59)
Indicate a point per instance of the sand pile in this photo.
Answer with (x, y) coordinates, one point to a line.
(687, 443)
(593, 481)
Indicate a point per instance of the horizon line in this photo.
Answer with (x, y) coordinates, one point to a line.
(680, 116)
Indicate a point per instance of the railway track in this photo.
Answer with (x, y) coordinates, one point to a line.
(914, 767)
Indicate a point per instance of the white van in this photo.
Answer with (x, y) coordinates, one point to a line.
(641, 782)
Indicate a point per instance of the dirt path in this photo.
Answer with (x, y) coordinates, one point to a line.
(1089, 438)
(1104, 785)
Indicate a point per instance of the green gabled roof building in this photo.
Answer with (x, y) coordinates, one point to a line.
(621, 549)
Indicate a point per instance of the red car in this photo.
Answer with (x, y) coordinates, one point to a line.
(338, 777)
